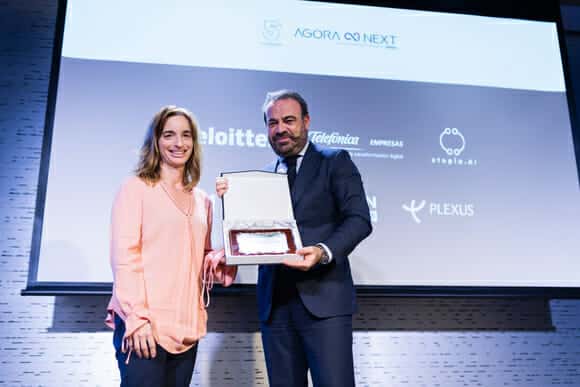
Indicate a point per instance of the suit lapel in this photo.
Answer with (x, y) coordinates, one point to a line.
(307, 172)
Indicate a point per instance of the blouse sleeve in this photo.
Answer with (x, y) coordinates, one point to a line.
(126, 258)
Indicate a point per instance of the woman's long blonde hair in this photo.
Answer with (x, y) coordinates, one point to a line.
(149, 167)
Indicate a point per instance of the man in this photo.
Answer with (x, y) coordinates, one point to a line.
(306, 306)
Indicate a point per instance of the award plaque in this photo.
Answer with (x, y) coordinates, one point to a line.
(262, 241)
(258, 220)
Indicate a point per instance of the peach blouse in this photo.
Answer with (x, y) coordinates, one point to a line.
(157, 254)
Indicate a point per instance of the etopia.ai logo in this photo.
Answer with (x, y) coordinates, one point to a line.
(452, 147)
(453, 144)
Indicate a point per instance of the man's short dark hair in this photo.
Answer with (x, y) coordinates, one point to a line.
(274, 96)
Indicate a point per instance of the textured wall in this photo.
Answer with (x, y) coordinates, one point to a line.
(61, 341)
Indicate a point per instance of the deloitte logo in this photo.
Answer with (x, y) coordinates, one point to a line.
(453, 143)
(233, 137)
(458, 210)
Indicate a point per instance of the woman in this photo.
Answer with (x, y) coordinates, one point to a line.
(160, 234)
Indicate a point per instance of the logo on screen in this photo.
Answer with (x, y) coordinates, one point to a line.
(272, 30)
(348, 37)
(332, 139)
(237, 137)
(445, 209)
(453, 144)
(413, 208)
(452, 141)
(372, 202)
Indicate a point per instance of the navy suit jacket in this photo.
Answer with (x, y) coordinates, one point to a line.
(330, 207)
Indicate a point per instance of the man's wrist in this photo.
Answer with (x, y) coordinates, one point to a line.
(325, 257)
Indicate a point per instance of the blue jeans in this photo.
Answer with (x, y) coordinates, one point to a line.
(166, 369)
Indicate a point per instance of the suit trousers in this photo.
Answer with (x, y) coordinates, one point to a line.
(294, 341)
(166, 369)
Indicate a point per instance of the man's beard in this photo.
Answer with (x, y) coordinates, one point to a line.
(297, 143)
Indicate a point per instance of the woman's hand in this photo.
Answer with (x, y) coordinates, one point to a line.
(226, 273)
(216, 263)
(221, 186)
(142, 342)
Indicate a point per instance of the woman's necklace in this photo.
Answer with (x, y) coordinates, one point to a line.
(180, 207)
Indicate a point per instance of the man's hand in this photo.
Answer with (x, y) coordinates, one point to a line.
(311, 255)
(142, 342)
(221, 186)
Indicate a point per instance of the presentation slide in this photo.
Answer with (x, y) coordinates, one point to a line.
(459, 125)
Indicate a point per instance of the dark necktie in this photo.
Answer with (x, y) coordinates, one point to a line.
(290, 162)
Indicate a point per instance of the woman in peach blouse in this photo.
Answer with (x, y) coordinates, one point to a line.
(161, 255)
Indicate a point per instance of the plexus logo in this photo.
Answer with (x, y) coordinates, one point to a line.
(413, 208)
(421, 209)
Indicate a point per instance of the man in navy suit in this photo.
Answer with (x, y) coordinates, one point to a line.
(306, 306)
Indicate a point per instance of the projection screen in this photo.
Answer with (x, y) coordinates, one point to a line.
(459, 124)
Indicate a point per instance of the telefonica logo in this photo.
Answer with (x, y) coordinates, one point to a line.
(461, 210)
(333, 138)
(453, 144)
